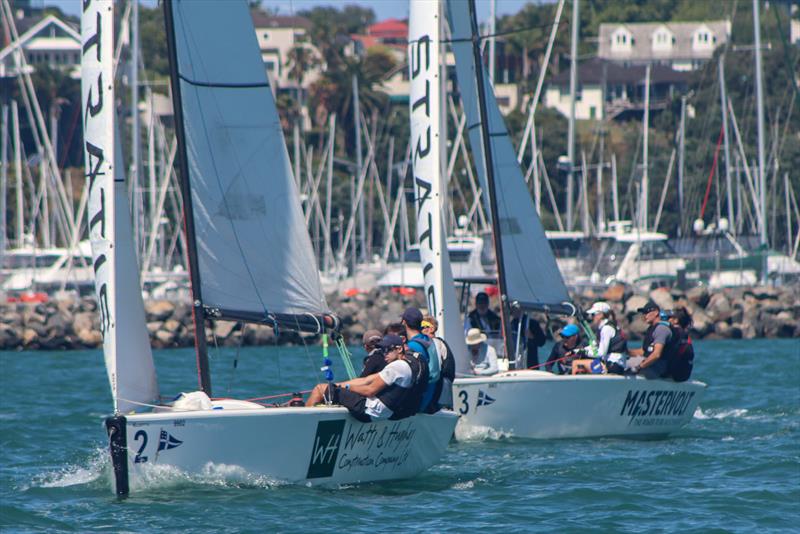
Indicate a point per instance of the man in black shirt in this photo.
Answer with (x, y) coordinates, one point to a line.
(374, 361)
(527, 337)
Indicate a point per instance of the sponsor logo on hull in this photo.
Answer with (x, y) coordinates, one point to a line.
(349, 447)
(655, 408)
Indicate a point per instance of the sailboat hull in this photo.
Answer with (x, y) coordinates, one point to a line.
(322, 445)
(541, 405)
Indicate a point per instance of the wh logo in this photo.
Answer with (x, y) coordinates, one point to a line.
(167, 441)
(484, 399)
(325, 449)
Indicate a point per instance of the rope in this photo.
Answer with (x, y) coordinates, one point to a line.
(711, 174)
(346, 357)
(279, 395)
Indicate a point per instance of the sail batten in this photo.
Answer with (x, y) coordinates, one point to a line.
(254, 255)
(531, 275)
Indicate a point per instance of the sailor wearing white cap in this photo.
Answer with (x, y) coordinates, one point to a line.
(613, 346)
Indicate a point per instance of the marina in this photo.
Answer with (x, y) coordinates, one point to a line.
(528, 257)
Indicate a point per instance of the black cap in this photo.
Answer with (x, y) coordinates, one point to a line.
(647, 308)
(413, 318)
(390, 341)
(482, 297)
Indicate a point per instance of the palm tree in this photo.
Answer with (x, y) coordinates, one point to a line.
(301, 59)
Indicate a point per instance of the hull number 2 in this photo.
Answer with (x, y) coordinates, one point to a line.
(139, 459)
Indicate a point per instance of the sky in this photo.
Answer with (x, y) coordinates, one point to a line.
(384, 9)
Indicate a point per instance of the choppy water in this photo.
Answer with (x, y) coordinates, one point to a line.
(736, 467)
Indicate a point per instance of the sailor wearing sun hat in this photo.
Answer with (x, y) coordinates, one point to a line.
(483, 357)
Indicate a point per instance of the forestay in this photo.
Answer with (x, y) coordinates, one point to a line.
(531, 275)
(423, 60)
(253, 251)
(126, 343)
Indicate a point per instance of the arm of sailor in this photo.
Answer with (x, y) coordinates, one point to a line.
(368, 386)
(658, 348)
(489, 365)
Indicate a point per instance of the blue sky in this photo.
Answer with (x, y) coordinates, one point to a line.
(383, 8)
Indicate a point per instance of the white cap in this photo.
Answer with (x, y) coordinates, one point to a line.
(598, 307)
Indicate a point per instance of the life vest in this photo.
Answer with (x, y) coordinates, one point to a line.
(682, 363)
(443, 393)
(491, 318)
(404, 402)
(670, 349)
(619, 342)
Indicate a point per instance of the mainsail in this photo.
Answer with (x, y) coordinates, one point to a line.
(423, 60)
(126, 343)
(253, 253)
(531, 274)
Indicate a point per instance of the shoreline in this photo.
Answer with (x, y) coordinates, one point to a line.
(73, 323)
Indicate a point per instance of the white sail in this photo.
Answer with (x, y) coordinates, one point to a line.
(126, 344)
(253, 250)
(531, 274)
(423, 60)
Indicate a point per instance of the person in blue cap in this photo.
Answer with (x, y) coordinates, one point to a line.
(565, 350)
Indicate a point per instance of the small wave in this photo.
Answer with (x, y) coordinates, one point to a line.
(479, 433)
(75, 475)
(721, 414)
(154, 476)
(469, 484)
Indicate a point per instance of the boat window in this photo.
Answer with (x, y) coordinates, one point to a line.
(655, 250)
(409, 257)
(27, 261)
(459, 256)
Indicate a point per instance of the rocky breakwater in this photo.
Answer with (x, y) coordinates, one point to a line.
(70, 323)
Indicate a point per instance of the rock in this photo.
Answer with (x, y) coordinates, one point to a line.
(90, 338)
(722, 329)
(615, 293)
(164, 338)
(158, 310)
(719, 307)
(29, 336)
(83, 321)
(701, 323)
(262, 334)
(223, 329)
(637, 328)
(780, 325)
(662, 297)
(171, 325)
(634, 303)
(154, 326)
(698, 295)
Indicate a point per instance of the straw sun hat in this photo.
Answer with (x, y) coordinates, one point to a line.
(475, 336)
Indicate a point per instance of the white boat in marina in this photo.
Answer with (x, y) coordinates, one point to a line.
(522, 403)
(47, 269)
(465, 261)
(250, 260)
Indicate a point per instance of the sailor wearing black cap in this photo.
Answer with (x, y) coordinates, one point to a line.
(651, 360)
(393, 393)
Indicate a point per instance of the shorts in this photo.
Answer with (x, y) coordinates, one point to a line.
(355, 403)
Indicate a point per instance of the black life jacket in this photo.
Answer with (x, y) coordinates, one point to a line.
(670, 349)
(404, 402)
(681, 365)
(443, 394)
(619, 342)
(495, 324)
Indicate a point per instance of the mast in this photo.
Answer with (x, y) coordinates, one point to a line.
(723, 106)
(489, 162)
(681, 161)
(645, 177)
(136, 156)
(762, 164)
(198, 312)
(3, 176)
(492, 40)
(573, 84)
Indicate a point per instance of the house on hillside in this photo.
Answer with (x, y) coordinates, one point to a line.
(680, 45)
(277, 37)
(607, 90)
(44, 40)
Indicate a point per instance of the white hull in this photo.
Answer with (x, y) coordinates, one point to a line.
(321, 445)
(541, 405)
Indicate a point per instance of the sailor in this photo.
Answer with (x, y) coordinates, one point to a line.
(421, 344)
(658, 346)
(483, 357)
(443, 395)
(565, 351)
(527, 337)
(612, 346)
(393, 393)
(483, 318)
(374, 360)
(681, 365)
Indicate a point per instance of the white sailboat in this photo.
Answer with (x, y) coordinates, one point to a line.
(529, 403)
(250, 260)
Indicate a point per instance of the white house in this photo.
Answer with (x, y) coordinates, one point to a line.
(680, 45)
(277, 36)
(50, 42)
